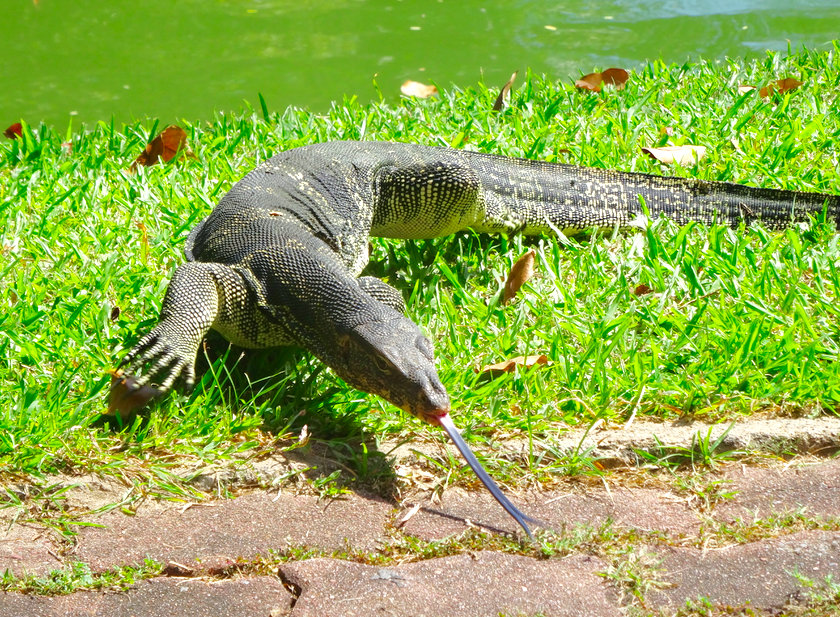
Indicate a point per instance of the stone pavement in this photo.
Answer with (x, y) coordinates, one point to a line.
(678, 542)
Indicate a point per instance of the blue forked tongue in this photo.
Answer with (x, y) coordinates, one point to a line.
(464, 449)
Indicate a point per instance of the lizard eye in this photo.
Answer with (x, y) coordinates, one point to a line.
(382, 364)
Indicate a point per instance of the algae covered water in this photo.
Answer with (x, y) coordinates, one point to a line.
(86, 60)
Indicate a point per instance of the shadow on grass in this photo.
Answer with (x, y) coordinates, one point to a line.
(287, 389)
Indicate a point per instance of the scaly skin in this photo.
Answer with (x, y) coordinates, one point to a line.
(276, 261)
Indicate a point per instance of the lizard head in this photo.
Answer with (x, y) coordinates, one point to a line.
(389, 356)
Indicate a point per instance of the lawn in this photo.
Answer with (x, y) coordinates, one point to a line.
(699, 322)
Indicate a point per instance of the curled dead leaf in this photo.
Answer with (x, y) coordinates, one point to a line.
(684, 155)
(127, 396)
(642, 290)
(170, 142)
(610, 77)
(504, 95)
(781, 86)
(415, 88)
(14, 131)
(508, 366)
(519, 274)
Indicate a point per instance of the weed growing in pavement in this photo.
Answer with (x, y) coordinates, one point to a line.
(78, 577)
(820, 597)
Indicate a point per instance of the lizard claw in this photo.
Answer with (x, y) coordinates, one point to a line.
(133, 388)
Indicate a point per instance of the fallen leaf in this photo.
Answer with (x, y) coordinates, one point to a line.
(642, 290)
(781, 85)
(684, 155)
(415, 88)
(519, 274)
(115, 313)
(171, 141)
(414, 510)
(126, 396)
(508, 366)
(14, 131)
(610, 77)
(743, 89)
(504, 95)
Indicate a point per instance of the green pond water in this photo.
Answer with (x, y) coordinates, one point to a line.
(90, 60)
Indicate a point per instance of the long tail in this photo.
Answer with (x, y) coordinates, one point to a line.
(539, 197)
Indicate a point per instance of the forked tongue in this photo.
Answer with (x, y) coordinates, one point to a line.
(464, 449)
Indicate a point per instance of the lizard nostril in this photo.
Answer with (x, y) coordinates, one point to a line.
(425, 347)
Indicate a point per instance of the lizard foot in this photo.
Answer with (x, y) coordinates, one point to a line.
(132, 387)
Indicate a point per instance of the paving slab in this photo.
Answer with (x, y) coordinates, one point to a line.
(28, 549)
(760, 573)
(211, 535)
(161, 597)
(643, 509)
(474, 585)
(813, 488)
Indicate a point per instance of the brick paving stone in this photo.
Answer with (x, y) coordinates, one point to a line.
(161, 597)
(215, 533)
(643, 509)
(28, 549)
(759, 573)
(484, 583)
(761, 492)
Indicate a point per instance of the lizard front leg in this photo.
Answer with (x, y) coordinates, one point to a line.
(197, 296)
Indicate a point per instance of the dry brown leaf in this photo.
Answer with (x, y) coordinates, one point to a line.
(508, 366)
(684, 155)
(610, 77)
(519, 274)
(642, 290)
(504, 95)
(415, 88)
(171, 141)
(14, 131)
(781, 85)
(126, 396)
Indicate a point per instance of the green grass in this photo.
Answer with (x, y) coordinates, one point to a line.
(741, 322)
(79, 577)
